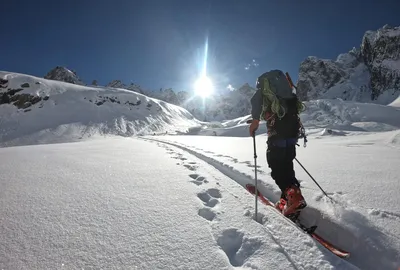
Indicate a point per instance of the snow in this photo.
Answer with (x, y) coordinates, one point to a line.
(391, 64)
(88, 186)
(359, 172)
(127, 203)
(71, 113)
(395, 103)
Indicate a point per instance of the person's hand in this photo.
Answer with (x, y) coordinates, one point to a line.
(253, 127)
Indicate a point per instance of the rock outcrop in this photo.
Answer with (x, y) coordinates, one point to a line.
(119, 84)
(64, 75)
(370, 73)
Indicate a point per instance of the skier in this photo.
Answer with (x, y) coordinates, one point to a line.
(275, 102)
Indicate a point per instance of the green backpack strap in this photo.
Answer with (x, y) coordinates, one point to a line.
(271, 102)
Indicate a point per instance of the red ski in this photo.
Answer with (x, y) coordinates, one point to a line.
(309, 230)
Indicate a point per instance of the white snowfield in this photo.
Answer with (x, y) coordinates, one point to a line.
(177, 201)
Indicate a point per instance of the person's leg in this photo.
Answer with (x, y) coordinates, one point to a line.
(276, 157)
(275, 160)
(290, 174)
(280, 160)
(295, 200)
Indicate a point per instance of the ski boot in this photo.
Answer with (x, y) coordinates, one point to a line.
(293, 203)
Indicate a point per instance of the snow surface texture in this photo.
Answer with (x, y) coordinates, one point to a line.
(53, 111)
(130, 204)
(370, 73)
(359, 172)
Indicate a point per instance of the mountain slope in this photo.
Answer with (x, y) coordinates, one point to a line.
(370, 73)
(35, 110)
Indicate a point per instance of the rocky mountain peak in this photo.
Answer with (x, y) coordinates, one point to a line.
(370, 73)
(119, 84)
(63, 74)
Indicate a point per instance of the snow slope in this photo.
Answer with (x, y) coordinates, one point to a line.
(69, 112)
(129, 204)
(343, 117)
(359, 172)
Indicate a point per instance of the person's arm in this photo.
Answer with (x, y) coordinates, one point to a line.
(256, 105)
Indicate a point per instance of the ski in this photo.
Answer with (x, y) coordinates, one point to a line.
(309, 230)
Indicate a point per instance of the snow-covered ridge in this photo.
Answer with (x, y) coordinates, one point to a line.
(36, 110)
(229, 105)
(120, 84)
(370, 73)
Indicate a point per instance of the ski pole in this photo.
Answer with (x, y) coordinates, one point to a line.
(313, 179)
(255, 173)
(255, 169)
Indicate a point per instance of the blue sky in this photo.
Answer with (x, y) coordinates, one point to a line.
(161, 43)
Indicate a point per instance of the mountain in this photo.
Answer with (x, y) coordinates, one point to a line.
(218, 107)
(370, 73)
(35, 110)
(229, 105)
(64, 75)
(118, 84)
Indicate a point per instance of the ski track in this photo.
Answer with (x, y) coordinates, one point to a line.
(360, 246)
(231, 240)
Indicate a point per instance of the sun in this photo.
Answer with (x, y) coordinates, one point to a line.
(203, 87)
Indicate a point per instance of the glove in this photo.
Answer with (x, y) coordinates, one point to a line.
(253, 127)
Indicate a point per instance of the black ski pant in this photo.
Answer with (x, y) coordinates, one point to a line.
(280, 158)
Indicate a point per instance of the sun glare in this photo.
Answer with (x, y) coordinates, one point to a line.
(203, 87)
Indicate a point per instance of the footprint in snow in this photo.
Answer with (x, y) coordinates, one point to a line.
(207, 213)
(210, 197)
(236, 246)
(190, 167)
(214, 193)
(197, 179)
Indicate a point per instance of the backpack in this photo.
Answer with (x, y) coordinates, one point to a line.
(281, 106)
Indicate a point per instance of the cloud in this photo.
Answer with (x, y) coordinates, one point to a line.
(230, 87)
(252, 64)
